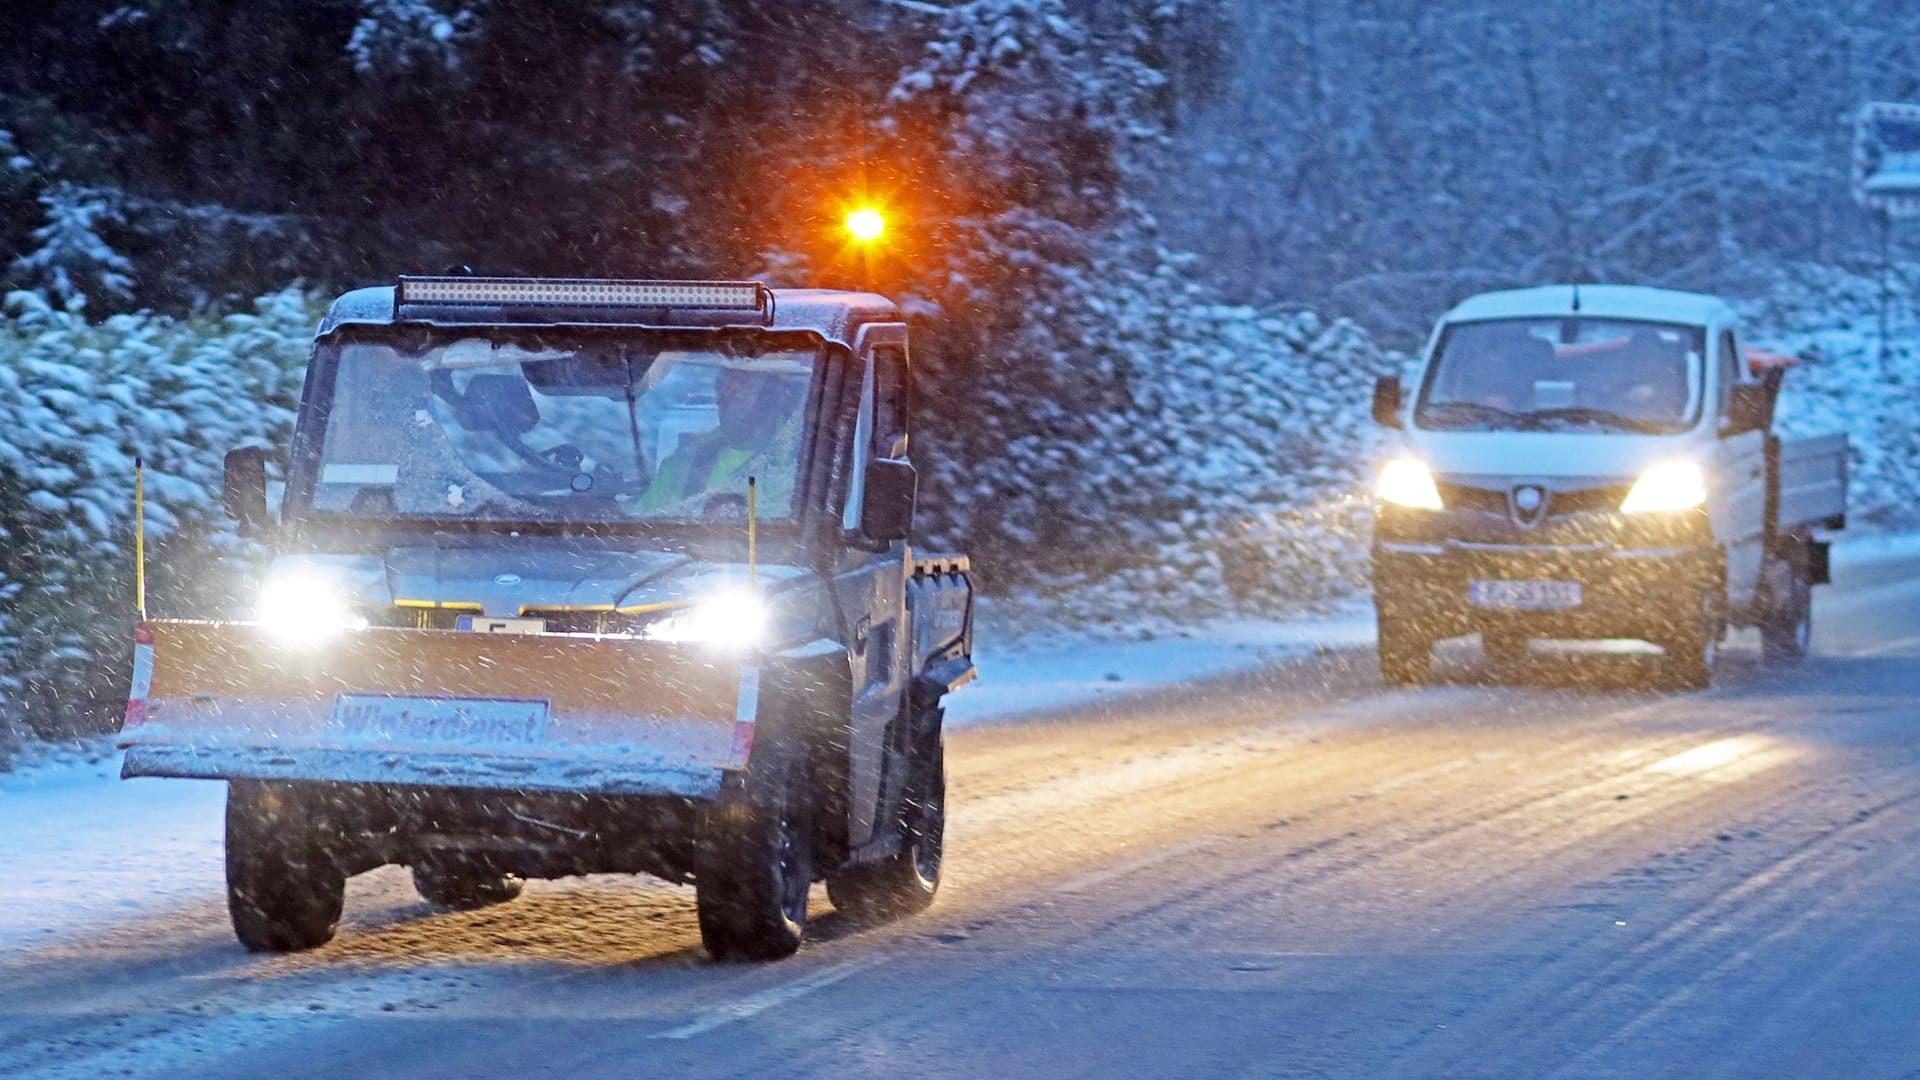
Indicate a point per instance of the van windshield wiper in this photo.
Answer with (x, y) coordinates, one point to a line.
(1461, 414)
(1605, 417)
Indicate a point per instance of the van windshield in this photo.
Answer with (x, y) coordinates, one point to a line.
(591, 431)
(1557, 373)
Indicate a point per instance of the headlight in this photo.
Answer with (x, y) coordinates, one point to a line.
(1675, 485)
(303, 607)
(1406, 482)
(735, 619)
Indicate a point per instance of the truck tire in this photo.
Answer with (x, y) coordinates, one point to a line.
(284, 890)
(1787, 630)
(905, 882)
(754, 865)
(1405, 653)
(450, 881)
(1505, 650)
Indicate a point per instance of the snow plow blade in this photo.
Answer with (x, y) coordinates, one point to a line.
(600, 715)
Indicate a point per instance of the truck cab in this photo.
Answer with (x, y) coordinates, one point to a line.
(577, 576)
(1595, 461)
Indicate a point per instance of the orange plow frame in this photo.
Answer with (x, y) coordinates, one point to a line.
(545, 712)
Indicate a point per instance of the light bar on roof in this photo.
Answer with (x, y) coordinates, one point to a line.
(582, 292)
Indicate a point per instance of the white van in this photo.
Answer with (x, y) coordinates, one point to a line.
(1595, 461)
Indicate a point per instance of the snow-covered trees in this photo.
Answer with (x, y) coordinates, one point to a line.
(1389, 157)
(79, 402)
(394, 35)
(1093, 412)
(70, 260)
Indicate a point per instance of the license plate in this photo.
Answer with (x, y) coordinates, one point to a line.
(480, 624)
(1524, 595)
(478, 721)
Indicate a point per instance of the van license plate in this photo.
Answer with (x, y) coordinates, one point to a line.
(1524, 595)
(480, 624)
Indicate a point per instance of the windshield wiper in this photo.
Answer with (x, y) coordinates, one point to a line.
(1606, 417)
(1455, 414)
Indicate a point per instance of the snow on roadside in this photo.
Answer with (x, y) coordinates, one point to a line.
(84, 847)
(1053, 671)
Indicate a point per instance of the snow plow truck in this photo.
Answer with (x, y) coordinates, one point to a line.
(579, 576)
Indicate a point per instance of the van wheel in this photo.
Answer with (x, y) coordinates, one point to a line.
(755, 861)
(1405, 654)
(904, 883)
(1787, 631)
(463, 884)
(284, 891)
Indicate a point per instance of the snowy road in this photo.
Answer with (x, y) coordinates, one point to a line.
(1290, 874)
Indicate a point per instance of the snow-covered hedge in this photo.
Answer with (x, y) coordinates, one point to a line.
(1830, 317)
(78, 402)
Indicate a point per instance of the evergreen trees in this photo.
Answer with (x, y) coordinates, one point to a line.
(1387, 157)
(78, 402)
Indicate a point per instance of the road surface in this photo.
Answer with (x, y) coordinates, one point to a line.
(1289, 874)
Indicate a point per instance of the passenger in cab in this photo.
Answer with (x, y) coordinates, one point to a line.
(755, 410)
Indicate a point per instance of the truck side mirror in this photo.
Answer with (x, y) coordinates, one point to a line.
(244, 494)
(1748, 406)
(1386, 401)
(886, 509)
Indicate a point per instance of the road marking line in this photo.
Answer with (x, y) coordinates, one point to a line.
(755, 1004)
(1886, 647)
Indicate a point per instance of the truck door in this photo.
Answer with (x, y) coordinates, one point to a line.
(1739, 490)
(873, 588)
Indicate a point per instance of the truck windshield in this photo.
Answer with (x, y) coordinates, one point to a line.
(1551, 374)
(477, 429)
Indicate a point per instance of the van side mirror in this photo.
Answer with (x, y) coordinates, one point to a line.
(1749, 408)
(244, 493)
(886, 508)
(1386, 401)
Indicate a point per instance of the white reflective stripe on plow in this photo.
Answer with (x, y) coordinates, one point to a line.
(745, 710)
(142, 672)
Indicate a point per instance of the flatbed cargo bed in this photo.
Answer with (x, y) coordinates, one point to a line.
(1813, 483)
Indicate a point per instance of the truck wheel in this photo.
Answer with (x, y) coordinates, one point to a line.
(1504, 649)
(1787, 630)
(284, 891)
(464, 884)
(904, 883)
(1405, 654)
(755, 862)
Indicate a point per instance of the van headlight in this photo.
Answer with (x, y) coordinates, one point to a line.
(304, 607)
(733, 619)
(1673, 485)
(1406, 482)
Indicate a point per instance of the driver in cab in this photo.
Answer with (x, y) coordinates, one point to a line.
(754, 410)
